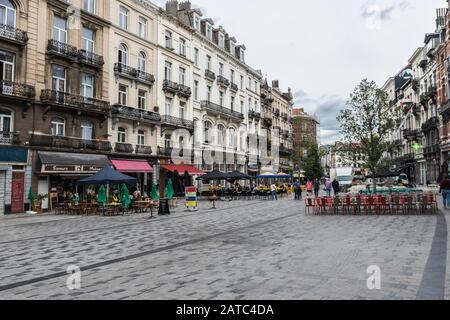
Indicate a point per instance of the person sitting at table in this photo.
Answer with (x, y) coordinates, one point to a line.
(76, 198)
(114, 198)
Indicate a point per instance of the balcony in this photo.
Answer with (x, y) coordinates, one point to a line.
(177, 122)
(431, 149)
(423, 63)
(170, 86)
(13, 35)
(267, 121)
(284, 151)
(71, 101)
(216, 109)
(145, 77)
(445, 109)
(223, 82)
(70, 143)
(432, 92)
(416, 109)
(252, 114)
(408, 158)
(234, 87)
(90, 59)
(210, 75)
(430, 124)
(165, 152)
(409, 134)
(123, 147)
(125, 71)
(17, 90)
(184, 91)
(144, 150)
(125, 112)
(63, 50)
(415, 84)
(284, 116)
(9, 138)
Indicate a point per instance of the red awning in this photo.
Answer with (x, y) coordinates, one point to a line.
(131, 166)
(182, 169)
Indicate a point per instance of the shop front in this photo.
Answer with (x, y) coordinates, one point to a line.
(140, 169)
(15, 179)
(181, 175)
(57, 174)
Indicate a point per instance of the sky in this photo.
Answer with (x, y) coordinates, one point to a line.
(322, 49)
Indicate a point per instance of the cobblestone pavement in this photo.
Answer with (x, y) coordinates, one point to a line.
(243, 250)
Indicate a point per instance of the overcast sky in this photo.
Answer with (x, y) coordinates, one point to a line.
(323, 48)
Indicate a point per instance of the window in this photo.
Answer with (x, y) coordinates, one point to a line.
(142, 99)
(6, 124)
(168, 71)
(181, 110)
(242, 107)
(6, 66)
(221, 98)
(168, 106)
(168, 141)
(168, 39)
(123, 54)
(88, 40)
(58, 127)
(232, 48)
(208, 93)
(141, 138)
(220, 135)
(220, 69)
(142, 27)
(183, 47)
(249, 83)
(7, 13)
(206, 127)
(196, 22)
(182, 76)
(241, 56)
(209, 31)
(195, 90)
(221, 40)
(196, 57)
(89, 5)
(123, 95)
(142, 64)
(232, 76)
(232, 139)
(59, 78)
(87, 130)
(87, 85)
(250, 107)
(123, 18)
(121, 135)
(208, 62)
(60, 29)
(242, 82)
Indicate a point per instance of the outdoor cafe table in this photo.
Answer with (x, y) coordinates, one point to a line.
(143, 204)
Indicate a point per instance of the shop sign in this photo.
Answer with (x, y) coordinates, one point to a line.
(191, 198)
(49, 168)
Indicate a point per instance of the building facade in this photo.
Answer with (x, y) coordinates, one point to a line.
(305, 134)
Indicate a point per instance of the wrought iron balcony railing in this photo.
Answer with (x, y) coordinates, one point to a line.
(409, 134)
(223, 82)
(145, 77)
(210, 75)
(170, 86)
(123, 147)
(9, 138)
(234, 87)
(409, 157)
(166, 152)
(147, 150)
(65, 99)
(430, 124)
(184, 91)
(13, 34)
(431, 149)
(130, 113)
(217, 109)
(17, 90)
(125, 71)
(61, 142)
(90, 58)
(62, 49)
(254, 115)
(177, 122)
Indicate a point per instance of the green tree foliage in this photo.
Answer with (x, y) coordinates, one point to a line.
(313, 168)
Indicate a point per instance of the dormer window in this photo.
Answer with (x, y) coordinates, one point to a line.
(241, 55)
(221, 40)
(232, 48)
(196, 22)
(209, 31)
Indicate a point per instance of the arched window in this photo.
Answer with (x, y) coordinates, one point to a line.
(232, 142)
(220, 135)
(206, 127)
(58, 127)
(121, 135)
(87, 130)
(7, 13)
(123, 54)
(142, 64)
(141, 138)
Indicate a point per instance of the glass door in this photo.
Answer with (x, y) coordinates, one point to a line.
(6, 72)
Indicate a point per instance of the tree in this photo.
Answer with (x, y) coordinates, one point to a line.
(366, 122)
(313, 168)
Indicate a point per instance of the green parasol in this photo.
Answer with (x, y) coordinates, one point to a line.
(125, 196)
(154, 193)
(169, 189)
(31, 197)
(101, 196)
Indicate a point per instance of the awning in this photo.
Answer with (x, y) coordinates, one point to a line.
(182, 169)
(132, 166)
(77, 163)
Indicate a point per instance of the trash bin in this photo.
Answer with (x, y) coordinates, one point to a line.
(164, 207)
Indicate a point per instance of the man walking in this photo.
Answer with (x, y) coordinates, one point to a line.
(296, 187)
(316, 187)
(273, 189)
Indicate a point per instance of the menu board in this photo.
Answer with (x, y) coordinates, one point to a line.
(191, 198)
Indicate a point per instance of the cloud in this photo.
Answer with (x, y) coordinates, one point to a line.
(376, 14)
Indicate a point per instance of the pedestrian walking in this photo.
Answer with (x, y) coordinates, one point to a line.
(328, 187)
(296, 187)
(316, 187)
(273, 189)
(309, 188)
(336, 187)
(445, 191)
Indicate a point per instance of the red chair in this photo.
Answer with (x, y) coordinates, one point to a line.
(431, 202)
(404, 203)
(349, 204)
(310, 205)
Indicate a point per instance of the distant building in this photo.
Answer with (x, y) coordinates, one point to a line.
(305, 129)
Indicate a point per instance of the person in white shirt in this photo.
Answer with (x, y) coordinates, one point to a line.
(273, 188)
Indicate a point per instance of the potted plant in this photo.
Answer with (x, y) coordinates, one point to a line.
(38, 203)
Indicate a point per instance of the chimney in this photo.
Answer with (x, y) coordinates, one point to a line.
(276, 84)
(185, 6)
(172, 7)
